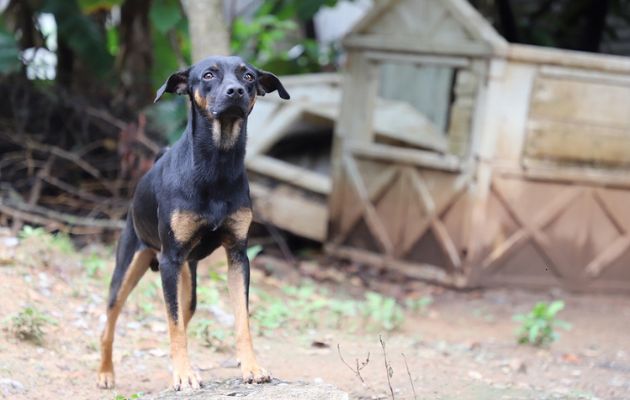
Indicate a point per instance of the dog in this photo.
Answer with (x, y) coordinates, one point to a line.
(194, 199)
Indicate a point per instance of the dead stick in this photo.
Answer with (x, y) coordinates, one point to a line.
(388, 368)
(410, 379)
(358, 369)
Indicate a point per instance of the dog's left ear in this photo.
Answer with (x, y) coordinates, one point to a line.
(268, 82)
(176, 83)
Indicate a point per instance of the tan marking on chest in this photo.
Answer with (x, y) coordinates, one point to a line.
(239, 222)
(185, 224)
(225, 135)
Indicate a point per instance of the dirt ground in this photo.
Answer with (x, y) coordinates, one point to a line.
(462, 346)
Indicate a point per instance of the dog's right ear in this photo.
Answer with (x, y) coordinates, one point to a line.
(176, 83)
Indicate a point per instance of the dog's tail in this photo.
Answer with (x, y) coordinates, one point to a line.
(161, 153)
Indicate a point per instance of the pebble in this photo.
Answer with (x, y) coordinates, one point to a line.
(10, 242)
(11, 386)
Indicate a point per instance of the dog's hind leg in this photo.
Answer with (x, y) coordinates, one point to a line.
(132, 261)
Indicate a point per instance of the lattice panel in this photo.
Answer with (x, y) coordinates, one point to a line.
(556, 232)
(397, 210)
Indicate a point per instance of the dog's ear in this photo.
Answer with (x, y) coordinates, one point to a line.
(268, 82)
(176, 83)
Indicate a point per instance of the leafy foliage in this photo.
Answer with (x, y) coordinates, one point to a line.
(28, 325)
(60, 241)
(538, 327)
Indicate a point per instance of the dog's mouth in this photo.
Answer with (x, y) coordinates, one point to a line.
(230, 113)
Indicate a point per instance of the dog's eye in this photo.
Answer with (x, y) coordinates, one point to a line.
(248, 77)
(208, 75)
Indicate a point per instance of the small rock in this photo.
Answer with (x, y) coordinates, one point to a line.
(229, 363)
(11, 386)
(518, 366)
(475, 375)
(234, 388)
(157, 353)
(9, 242)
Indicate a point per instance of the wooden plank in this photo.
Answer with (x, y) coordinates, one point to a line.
(615, 250)
(553, 171)
(290, 174)
(277, 127)
(580, 102)
(574, 141)
(401, 155)
(371, 216)
(410, 44)
(421, 59)
(422, 271)
(568, 58)
(288, 210)
(607, 78)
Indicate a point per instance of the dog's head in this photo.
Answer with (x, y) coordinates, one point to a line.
(223, 87)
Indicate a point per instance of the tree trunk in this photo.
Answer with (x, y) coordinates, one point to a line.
(208, 30)
(135, 57)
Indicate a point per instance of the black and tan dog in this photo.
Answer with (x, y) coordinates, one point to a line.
(193, 200)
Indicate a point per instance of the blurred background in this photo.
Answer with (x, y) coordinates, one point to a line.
(451, 174)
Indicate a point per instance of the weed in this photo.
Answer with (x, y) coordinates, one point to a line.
(212, 336)
(60, 241)
(382, 312)
(132, 397)
(419, 305)
(94, 264)
(307, 306)
(538, 327)
(28, 325)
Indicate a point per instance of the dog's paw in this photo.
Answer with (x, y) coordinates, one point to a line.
(255, 374)
(185, 379)
(106, 380)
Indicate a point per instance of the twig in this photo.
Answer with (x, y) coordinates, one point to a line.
(282, 244)
(388, 368)
(410, 379)
(32, 211)
(358, 368)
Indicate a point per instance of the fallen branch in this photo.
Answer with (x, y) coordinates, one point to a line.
(42, 215)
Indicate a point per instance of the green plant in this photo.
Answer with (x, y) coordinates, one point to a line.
(132, 397)
(382, 312)
(419, 305)
(212, 336)
(60, 241)
(94, 264)
(28, 325)
(538, 327)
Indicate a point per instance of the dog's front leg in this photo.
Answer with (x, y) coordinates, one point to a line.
(238, 285)
(177, 287)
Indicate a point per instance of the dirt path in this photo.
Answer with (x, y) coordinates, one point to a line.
(461, 347)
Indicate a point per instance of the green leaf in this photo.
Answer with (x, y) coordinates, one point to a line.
(81, 34)
(555, 307)
(165, 14)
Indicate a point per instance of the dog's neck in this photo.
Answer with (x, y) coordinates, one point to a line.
(218, 145)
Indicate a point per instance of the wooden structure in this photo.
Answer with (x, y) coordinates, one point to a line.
(509, 164)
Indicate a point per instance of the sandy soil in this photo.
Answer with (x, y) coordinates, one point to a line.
(462, 347)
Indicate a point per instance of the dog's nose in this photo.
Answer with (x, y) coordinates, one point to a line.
(235, 91)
